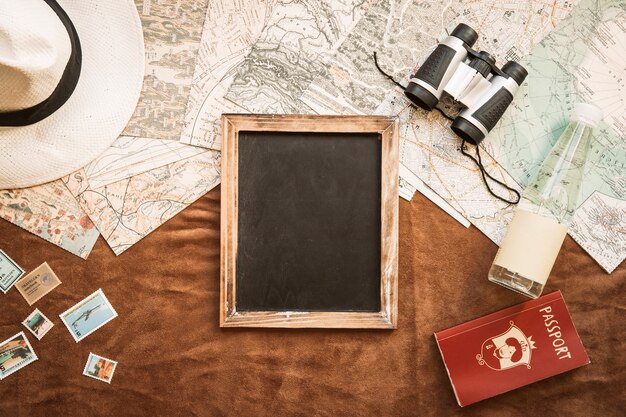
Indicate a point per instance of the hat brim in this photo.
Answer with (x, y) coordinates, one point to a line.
(104, 100)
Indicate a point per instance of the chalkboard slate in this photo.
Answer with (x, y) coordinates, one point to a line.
(309, 222)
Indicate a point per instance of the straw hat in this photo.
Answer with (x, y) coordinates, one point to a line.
(70, 76)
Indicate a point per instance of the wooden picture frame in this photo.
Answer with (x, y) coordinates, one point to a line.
(387, 130)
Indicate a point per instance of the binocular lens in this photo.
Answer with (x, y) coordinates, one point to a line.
(515, 71)
(465, 33)
(421, 96)
(467, 131)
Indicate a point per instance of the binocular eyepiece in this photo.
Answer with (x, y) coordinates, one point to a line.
(470, 78)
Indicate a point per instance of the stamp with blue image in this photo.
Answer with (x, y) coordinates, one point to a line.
(88, 315)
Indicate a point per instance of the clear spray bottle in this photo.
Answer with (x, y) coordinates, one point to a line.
(540, 222)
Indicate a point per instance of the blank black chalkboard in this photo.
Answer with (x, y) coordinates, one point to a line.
(308, 222)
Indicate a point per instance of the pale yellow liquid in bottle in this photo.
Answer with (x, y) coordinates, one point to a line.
(532, 243)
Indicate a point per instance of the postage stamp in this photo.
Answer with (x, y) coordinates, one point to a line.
(37, 283)
(88, 315)
(10, 272)
(15, 353)
(38, 324)
(99, 368)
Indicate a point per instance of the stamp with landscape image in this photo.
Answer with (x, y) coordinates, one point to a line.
(38, 324)
(99, 368)
(15, 353)
(88, 315)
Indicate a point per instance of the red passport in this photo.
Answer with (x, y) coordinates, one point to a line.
(511, 348)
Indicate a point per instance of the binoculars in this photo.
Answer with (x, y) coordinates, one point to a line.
(471, 78)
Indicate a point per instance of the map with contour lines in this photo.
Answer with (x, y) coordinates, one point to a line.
(230, 30)
(581, 60)
(350, 83)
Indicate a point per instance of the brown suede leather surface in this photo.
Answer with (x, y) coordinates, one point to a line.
(174, 360)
